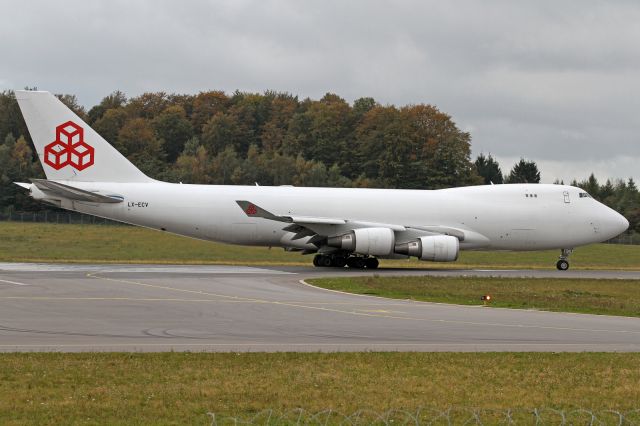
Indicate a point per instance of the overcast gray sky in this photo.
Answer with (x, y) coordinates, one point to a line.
(554, 82)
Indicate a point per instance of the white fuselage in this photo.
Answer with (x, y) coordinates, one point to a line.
(496, 217)
(86, 173)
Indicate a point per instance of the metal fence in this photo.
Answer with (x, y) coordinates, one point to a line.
(626, 238)
(47, 216)
(430, 416)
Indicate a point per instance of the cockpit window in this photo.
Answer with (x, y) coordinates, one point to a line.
(585, 195)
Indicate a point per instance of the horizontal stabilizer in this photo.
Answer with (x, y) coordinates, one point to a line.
(50, 187)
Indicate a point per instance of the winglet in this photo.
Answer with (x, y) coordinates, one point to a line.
(252, 210)
(23, 185)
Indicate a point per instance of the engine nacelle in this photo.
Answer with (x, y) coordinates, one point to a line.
(370, 241)
(437, 248)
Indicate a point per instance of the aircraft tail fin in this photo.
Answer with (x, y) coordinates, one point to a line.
(67, 147)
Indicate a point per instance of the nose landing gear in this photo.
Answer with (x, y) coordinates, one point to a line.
(563, 262)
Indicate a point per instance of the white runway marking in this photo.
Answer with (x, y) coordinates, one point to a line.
(12, 282)
(160, 269)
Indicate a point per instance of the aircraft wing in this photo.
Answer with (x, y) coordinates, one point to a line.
(319, 228)
(52, 188)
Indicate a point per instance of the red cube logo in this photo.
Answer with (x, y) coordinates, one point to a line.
(81, 156)
(56, 155)
(69, 148)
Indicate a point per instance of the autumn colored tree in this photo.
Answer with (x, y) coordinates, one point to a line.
(148, 105)
(17, 164)
(275, 131)
(138, 142)
(276, 139)
(207, 105)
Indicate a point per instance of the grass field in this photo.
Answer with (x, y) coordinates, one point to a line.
(43, 242)
(183, 387)
(591, 296)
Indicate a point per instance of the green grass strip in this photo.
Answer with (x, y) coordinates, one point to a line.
(47, 242)
(589, 296)
(180, 388)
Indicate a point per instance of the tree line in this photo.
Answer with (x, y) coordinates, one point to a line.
(276, 139)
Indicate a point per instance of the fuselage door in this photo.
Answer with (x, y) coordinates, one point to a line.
(566, 197)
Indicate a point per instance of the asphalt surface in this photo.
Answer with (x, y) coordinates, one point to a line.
(57, 307)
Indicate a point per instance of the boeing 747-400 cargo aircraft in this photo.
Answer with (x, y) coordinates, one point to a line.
(342, 226)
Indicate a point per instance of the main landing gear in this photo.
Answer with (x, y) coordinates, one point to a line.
(337, 261)
(563, 261)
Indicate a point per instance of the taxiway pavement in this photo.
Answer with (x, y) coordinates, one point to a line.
(62, 307)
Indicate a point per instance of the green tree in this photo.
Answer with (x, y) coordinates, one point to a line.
(282, 169)
(194, 165)
(173, 127)
(7, 198)
(592, 186)
(440, 153)
(225, 164)
(362, 106)
(633, 216)
(11, 120)
(379, 128)
(115, 100)
(253, 110)
(335, 178)
(488, 169)
(110, 123)
(328, 130)
(17, 165)
(225, 130)
(71, 101)
(524, 172)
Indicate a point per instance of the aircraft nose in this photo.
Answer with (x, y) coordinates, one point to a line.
(624, 223)
(616, 223)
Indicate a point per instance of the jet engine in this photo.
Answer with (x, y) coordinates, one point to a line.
(437, 248)
(369, 241)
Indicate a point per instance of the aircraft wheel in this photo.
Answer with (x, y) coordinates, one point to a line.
(321, 260)
(356, 262)
(339, 261)
(372, 263)
(562, 265)
(325, 261)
